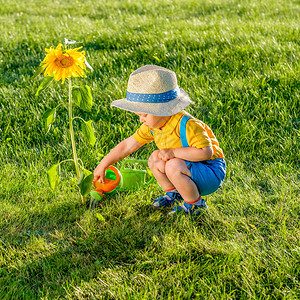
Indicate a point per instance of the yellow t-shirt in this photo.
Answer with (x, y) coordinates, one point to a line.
(198, 135)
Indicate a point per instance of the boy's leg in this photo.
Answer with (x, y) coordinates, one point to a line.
(157, 167)
(179, 175)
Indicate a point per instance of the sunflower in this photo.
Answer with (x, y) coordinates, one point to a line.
(63, 64)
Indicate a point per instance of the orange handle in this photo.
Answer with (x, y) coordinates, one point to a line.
(109, 184)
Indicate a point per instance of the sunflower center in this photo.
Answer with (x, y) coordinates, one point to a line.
(64, 61)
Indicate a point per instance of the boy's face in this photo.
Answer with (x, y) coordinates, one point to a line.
(152, 121)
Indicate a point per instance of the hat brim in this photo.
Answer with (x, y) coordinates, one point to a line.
(169, 108)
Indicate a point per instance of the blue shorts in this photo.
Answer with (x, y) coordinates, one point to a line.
(208, 175)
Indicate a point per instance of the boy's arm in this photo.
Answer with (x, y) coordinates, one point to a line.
(122, 150)
(186, 153)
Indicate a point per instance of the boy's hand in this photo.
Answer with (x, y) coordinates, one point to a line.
(99, 172)
(166, 154)
(122, 150)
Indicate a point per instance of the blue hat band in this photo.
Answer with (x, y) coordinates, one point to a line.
(153, 98)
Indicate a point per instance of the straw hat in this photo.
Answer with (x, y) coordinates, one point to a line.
(153, 90)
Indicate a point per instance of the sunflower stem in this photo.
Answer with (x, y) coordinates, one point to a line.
(72, 135)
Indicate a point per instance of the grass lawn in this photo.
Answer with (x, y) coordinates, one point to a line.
(239, 62)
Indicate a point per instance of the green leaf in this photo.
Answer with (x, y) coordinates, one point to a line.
(87, 98)
(86, 184)
(38, 72)
(81, 177)
(82, 97)
(53, 176)
(76, 96)
(49, 117)
(88, 132)
(83, 174)
(45, 83)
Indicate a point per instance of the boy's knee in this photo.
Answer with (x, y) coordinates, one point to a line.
(174, 166)
(153, 159)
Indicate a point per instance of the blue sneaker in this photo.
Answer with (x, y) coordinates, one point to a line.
(167, 200)
(188, 208)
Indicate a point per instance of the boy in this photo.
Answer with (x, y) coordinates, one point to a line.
(189, 162)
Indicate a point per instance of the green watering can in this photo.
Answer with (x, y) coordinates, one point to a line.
(132, 179)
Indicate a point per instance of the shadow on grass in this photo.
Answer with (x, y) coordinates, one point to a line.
(80, 247)
(73, 252)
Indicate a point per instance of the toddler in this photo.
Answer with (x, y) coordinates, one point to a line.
(189, 163)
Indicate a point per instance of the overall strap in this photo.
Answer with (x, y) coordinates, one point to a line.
(182, 129)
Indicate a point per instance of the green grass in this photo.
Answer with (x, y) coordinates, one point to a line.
(239, 62)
